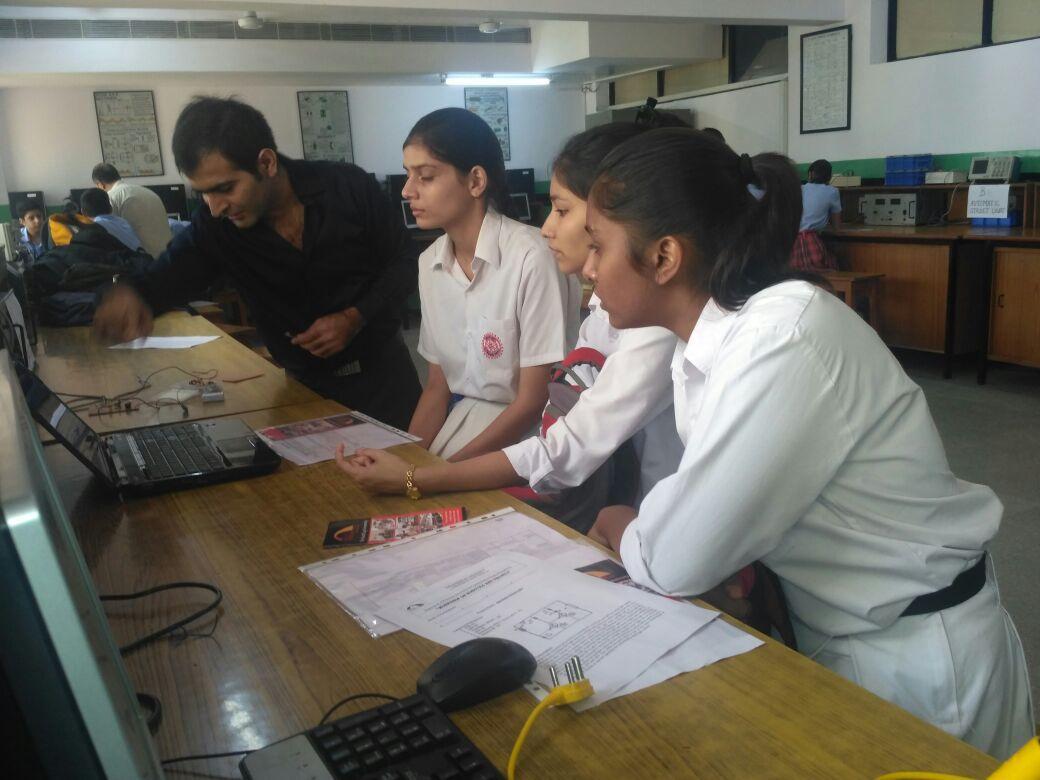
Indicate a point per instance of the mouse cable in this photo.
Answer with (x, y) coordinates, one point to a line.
(341, 702)
(577, 688)
(204, 756)
(155, 635)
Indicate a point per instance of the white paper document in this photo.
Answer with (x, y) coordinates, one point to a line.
(361, 582)
(165, 342)
(313, 441)
(556, 613)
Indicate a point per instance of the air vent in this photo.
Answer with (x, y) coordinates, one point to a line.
(147, 28)
(512, 35)
(428, 34)
(389, 33)
(99, 29)
(56, 28)
(268, 32)
(211, 29)
(299, 31)
(105, 28)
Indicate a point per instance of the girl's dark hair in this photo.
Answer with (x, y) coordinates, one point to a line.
(820, 171)
(463, 140)
(576, 164)
(684, 183)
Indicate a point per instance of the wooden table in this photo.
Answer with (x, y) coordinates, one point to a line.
(70, 360)
(853, 286)
(283, 651)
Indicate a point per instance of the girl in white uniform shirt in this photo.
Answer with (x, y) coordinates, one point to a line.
(807, 446)
(496, 313)
(631, 397)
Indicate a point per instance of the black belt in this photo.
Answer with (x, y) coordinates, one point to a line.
(966, 585)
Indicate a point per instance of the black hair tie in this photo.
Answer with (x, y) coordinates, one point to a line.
(747, 170)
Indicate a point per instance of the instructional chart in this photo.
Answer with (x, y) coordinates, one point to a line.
(129, 134)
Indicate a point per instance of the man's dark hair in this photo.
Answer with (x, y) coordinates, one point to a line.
(25, 206)
(95, 202)
(229, 127)
(820, 172)
(105, 173)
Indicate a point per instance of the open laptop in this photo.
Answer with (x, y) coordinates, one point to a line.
(157, 458)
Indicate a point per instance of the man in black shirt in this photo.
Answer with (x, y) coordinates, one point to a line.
(313, 248)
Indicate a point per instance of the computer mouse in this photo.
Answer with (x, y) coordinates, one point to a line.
(476, 671)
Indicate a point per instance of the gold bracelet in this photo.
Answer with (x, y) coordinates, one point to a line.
(410, 488)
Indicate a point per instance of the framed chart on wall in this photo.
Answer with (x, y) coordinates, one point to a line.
(826, 80)
(325, 125)
(492, 105)
(128, 131)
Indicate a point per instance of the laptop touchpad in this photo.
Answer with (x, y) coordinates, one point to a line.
(239, 450)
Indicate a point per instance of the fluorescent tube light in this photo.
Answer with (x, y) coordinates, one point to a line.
(496, 80)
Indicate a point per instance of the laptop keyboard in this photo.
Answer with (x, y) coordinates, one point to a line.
(176, 450)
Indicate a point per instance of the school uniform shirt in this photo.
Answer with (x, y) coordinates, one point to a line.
(517, 311)
(630, 397)
(819, 201)
(809, 448)
(120, 229)
(145, 212)
(35, 249)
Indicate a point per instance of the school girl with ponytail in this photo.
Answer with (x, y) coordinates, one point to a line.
(806, 445)
(496, 312)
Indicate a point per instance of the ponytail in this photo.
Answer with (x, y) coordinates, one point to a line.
(688, 184)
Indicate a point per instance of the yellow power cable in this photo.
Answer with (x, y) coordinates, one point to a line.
(1023, 765)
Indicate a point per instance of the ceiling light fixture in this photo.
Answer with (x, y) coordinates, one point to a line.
(250, 21)
(490, 27)
(496, 80)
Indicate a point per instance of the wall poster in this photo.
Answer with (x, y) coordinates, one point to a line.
(325, 125)
(492, 105)
(826, 79)
(128, 131)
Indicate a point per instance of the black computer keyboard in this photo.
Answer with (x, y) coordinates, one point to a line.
(409, 739)
(176, 450)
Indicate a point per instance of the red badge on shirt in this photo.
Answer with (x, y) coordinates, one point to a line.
(492, 346)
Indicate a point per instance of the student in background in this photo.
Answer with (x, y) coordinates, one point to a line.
(845, 494)
(631, 396)
(30, 217)
(138, 205)
(821, 206)
(96, 205)
(496, 312)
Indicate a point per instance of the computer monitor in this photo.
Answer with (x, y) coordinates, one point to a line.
(174, 198)
(33, 196)
(76, 193)
(521, 206)
(394, 184)
(520, 180)
(409, 217)
(63, 686)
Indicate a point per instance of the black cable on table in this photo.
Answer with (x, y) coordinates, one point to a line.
(203, 756)
(137, 644)
(341, 702)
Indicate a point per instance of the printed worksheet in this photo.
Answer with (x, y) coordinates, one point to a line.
(555, 612)
(363, 581)
(313, 441)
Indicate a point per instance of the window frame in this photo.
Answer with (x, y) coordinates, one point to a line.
(987, 34)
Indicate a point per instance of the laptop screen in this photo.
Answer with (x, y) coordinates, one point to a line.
(64, 424)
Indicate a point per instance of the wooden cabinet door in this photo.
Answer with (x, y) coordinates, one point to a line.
(912, 296)
(1014, 330)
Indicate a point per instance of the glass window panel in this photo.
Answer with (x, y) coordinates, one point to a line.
(931, 26)
(1014, 20)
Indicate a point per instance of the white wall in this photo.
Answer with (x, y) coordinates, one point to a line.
(49, 137)
(753, 119)
(978, 100)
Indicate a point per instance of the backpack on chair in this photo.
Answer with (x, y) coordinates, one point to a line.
(615, 482)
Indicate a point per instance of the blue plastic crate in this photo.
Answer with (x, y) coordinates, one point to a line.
(904, 178)
(903, 163)
(897, 163)
(921, 162)
(1013, 219)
